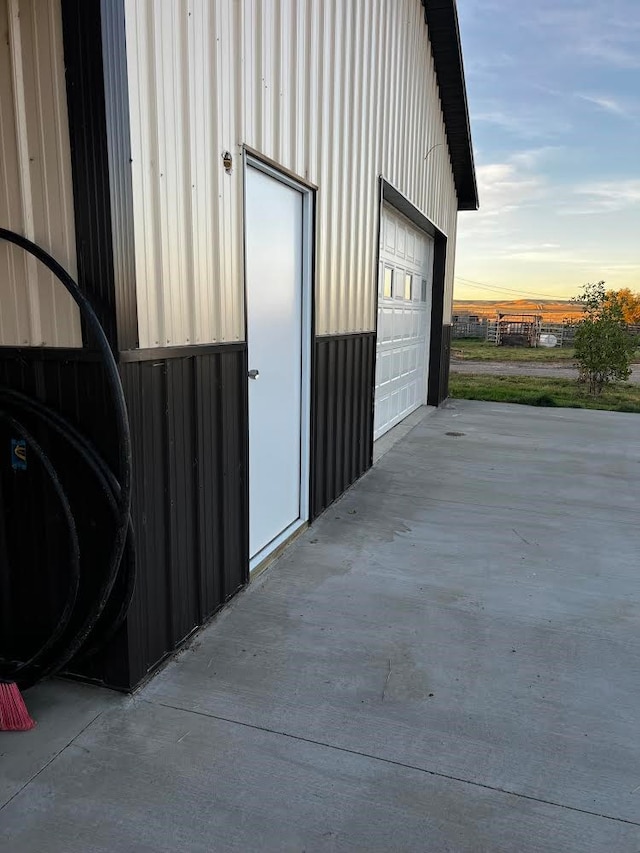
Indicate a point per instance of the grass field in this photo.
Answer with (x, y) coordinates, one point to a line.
(534, 391)
(478, 350)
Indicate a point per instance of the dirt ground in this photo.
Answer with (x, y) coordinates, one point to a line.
(518, 368)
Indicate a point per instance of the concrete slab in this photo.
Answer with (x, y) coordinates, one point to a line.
(62, 710)
(157, 780)
(445, 661)
(498, 678)
(400, 431)
(486, 583)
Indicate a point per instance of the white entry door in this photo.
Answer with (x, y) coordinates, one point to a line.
(404, 320)
(277, 336)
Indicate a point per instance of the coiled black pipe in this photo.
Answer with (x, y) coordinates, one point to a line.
(58, 649)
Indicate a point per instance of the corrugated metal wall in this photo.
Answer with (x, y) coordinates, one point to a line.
(342, 439)
(182, 83)
(190, 498)
(190, 504)
(336, 92)
(36, 197)
(34, 559)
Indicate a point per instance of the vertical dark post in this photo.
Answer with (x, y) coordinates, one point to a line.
(440, 346)
(97, 99)
(93, 33)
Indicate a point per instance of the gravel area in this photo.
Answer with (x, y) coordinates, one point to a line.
(558, 370)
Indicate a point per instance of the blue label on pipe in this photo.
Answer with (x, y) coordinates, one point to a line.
(18, 454)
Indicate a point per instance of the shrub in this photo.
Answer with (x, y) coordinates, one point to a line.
(603, 347)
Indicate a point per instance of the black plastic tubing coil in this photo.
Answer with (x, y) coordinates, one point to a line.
(58, 649)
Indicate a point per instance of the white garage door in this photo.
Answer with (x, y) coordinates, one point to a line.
(404, 317)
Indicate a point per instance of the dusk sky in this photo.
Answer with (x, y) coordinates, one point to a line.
(554, 97)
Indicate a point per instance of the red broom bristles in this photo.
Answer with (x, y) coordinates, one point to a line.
(14, 716)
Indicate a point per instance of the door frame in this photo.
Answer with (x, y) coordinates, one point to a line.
(253, 160)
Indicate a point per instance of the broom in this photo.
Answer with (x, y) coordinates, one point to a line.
(14, 716)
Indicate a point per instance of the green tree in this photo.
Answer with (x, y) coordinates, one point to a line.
(602, 344)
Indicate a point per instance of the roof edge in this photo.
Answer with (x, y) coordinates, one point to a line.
(441, 17)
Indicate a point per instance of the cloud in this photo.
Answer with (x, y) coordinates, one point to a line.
(608, 104)
(622, 268)
(525, 247)
(488, 64)
(623, 108)
(604, 197)
(504, 187)
(536, 252)
(610, 53)
(544, 256)
(533, 157)
(507, 186)
(533, 124)
(603, 31)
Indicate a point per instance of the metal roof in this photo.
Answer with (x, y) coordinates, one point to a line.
(441, 17)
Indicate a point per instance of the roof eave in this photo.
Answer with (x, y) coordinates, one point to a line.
(441, 17)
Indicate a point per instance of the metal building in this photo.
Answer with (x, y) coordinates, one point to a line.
(260, 199)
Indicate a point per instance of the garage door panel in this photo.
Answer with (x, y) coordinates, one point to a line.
(403, 321)
(416, 324)
(383, 368)
(396, 364)
(411, 247)
(401, 242)
(390, 235)
(385, 326)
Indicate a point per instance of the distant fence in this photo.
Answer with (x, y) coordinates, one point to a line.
(563, 332)
(484, 329)
(469, 329)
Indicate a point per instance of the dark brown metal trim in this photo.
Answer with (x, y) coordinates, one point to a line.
(60, 354)
(345, 336)
(39, 354)
(398, 200)
(165, 353)
(437, 390)
(98, 109)
(441, 17)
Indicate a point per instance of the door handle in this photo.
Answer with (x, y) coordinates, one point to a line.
(253, 374)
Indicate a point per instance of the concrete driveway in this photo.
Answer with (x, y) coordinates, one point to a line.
(449, 660)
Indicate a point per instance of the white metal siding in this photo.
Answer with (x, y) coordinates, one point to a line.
(338, 93)
(35, 176)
